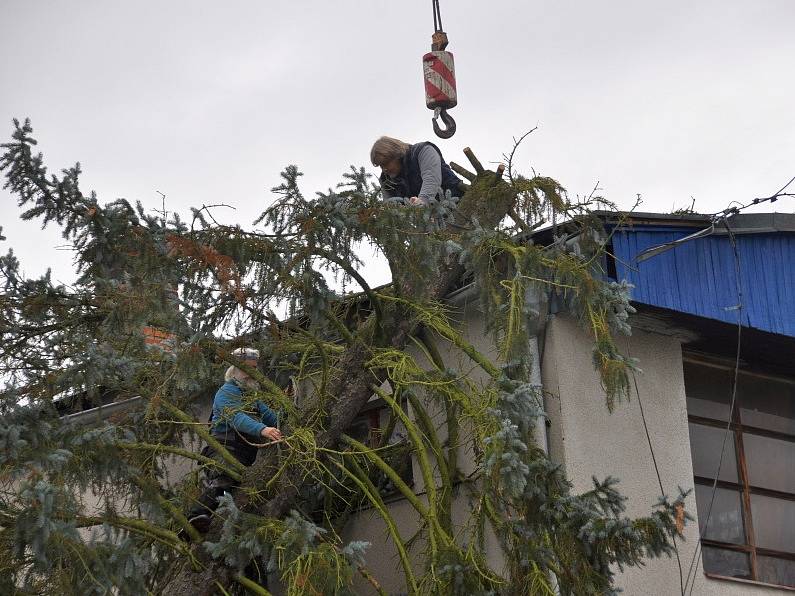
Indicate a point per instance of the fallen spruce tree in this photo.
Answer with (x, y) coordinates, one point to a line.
(205, 289)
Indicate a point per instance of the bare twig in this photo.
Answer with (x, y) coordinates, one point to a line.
(516, 143)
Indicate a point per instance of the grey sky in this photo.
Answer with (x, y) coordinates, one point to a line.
(207, 101)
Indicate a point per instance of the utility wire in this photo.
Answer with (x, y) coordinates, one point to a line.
(656, 471)
(715, 219)
(730, 210)
(720, 217)
(694, 562)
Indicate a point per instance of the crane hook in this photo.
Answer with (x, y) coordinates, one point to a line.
(444, 133)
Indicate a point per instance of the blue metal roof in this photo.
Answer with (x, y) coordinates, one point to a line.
(698, 277)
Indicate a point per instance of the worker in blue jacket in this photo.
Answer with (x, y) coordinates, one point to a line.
(417, 173)
(240, 426)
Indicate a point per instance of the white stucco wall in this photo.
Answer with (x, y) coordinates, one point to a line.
(589, 441)
(382, 557)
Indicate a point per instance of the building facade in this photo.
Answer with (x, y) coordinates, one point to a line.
(678, 429)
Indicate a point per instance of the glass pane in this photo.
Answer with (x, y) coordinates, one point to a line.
(706, 443)
(767, 403)
(708, 390)
(776, 571)
(724, 562)
(726, 517)
(770, 462)
(774, 522)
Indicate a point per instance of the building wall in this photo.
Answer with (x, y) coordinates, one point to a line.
(588, 440)
(382, 557)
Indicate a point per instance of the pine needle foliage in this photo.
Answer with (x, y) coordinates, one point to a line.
(92, 509)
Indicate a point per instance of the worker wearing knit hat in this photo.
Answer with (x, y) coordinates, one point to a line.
(240, 425)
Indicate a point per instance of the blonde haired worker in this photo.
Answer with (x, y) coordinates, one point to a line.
(416, 173)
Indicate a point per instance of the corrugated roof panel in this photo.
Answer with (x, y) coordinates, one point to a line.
(698, 277)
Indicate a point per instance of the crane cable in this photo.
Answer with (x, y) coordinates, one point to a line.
(437, 17)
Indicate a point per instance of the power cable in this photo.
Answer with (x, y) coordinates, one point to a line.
(772, 199)
(714, 219)
(720, 217)
(656, 470)
(694, 562)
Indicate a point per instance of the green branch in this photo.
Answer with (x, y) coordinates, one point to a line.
(205, 434)
(372, 494)
(434, 526)
(157, 448)
(379, 313)
(450, 410)
(393, 476)
(440, 324)
(433, 438)
(251, 585)
(419, 447)
(177, 515)
(340, 327)
(134, 525)
(458, 341)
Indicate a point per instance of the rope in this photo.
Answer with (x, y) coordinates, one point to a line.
(258, 445)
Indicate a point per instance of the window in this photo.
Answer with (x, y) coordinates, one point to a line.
(747, 523)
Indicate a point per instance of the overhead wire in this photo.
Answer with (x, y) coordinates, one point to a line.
(723, 218)
(772, 199)
(715, 219)
(682, 587)
(695, 560)
(720, 217)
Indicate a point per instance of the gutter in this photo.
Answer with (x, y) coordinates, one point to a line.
(101, 413)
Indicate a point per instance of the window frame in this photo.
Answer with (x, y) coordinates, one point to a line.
(743, 485)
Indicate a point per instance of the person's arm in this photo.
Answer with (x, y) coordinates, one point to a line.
(431, 171)
(271, 419)
(268, 416)
(230, 407)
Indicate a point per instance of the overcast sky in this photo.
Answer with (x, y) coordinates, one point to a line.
(208, 101)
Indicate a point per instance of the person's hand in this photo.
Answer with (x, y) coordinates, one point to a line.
(417, 201)
(271, 432)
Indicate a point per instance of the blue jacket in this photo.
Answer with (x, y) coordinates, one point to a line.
(230, 414)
